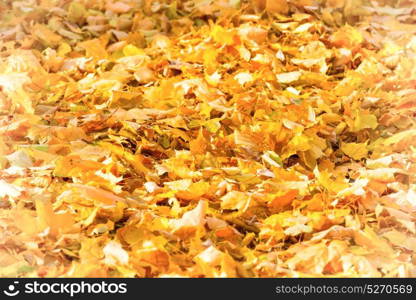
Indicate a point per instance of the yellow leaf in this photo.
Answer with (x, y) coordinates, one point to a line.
(209, 57)
(136, 160)
(76, 12)
(400, 239)
(199, 145)
(195, 191)
(131, 50)
(300, 142)
(191, 219)
(272, 6)
(235, 200)
(347, 37)
(398, 137)
(64, 49)
(56, 221)
(74, 166)
(46, 36)
(369, 239)
(283, 199)
(213, 79)
(356, 151)
(363, 121)
(324, 178)
(98, 195)
(94, 48)
(222, 35)
(277, 6)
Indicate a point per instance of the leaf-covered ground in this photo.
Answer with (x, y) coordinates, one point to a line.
(207, 138)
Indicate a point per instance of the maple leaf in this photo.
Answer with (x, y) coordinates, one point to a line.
(355, 150)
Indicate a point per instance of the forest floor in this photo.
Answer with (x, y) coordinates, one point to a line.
(223, 138)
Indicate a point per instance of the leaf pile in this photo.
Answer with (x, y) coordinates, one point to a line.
(219, 138)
